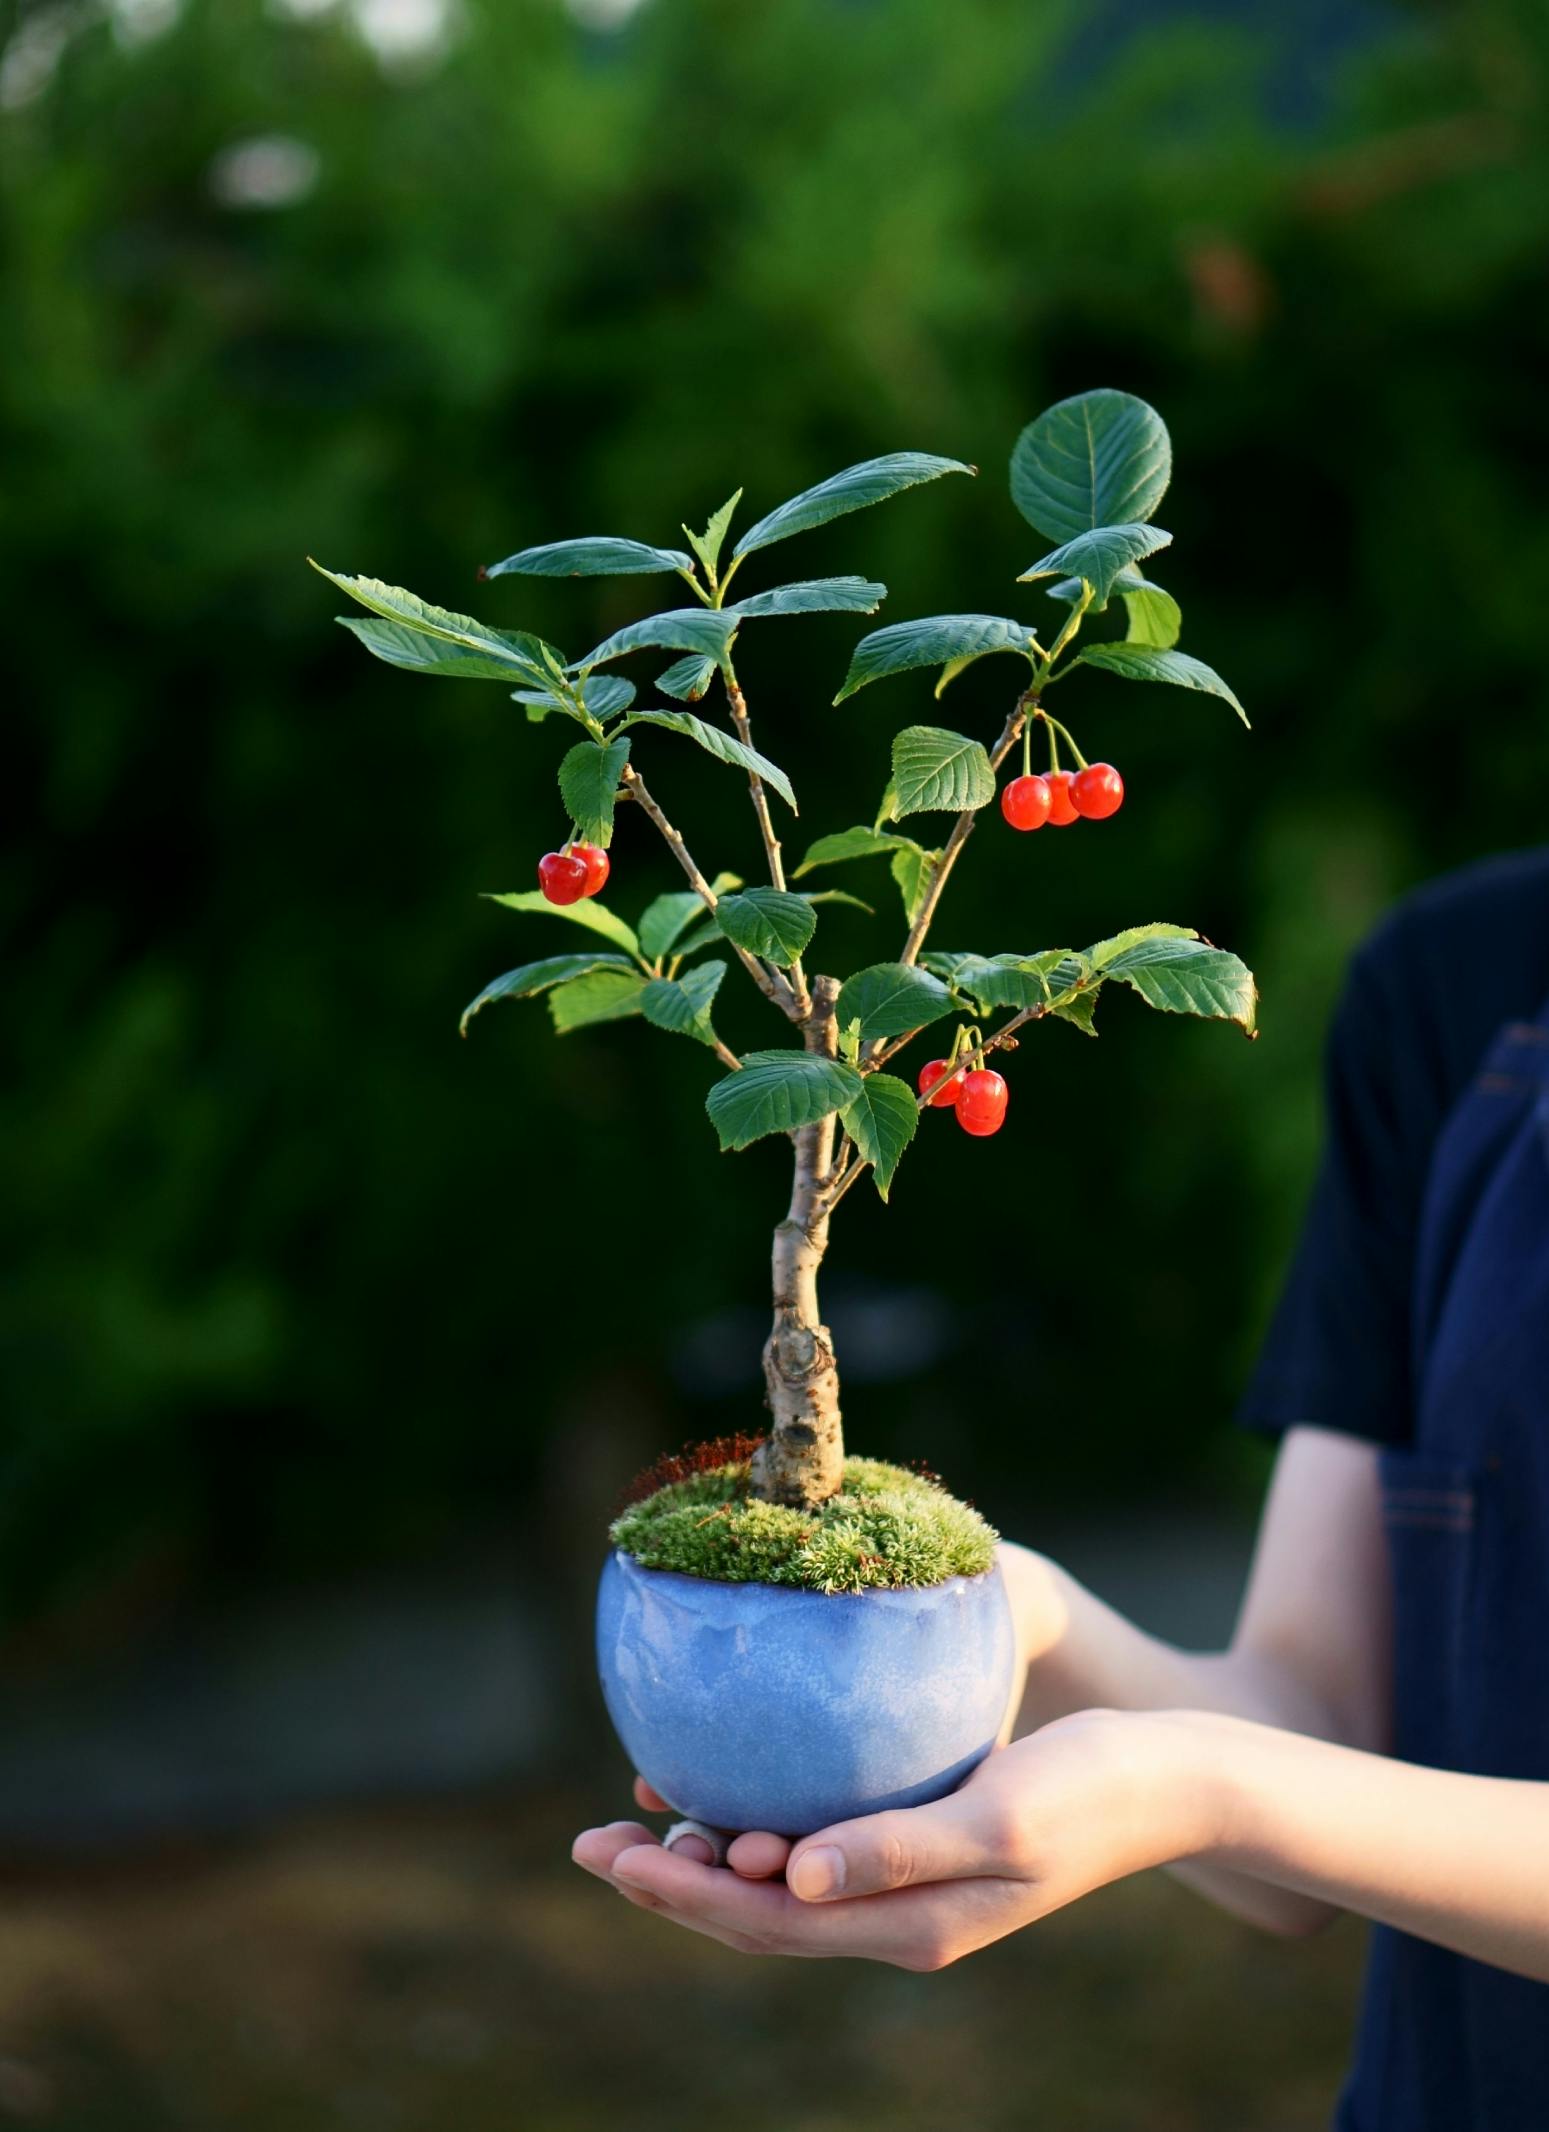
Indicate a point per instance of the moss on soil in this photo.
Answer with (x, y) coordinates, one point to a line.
(886, 1529)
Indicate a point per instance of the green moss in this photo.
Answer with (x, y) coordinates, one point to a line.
(886, 1529)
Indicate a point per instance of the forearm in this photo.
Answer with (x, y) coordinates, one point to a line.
(1460, 1860)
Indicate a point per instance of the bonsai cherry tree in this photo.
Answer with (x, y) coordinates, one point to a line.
(1087, 475)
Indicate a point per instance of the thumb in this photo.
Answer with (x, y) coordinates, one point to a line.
(900, 1849)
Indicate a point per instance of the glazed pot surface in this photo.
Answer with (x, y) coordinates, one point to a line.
(757, 1706)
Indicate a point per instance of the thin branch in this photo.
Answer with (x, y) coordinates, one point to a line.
(891, 1051)
(760, 798)
(773, 988)
(962, 830)
(1004, 1036)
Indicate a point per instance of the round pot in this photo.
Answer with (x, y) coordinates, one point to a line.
(757, 1706)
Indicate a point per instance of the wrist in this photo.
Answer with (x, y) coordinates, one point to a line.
(1182, 1781)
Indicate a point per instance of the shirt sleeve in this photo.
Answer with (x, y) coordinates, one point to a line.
(1338, 1351)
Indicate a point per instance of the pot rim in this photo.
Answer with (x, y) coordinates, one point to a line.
(799, 1591)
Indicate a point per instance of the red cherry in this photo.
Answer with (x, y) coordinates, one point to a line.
(981, 1103)
(595, 860)
(1062, 807)
(562, 877)
(1025, 802)
(1098, 791)
(937, 1070)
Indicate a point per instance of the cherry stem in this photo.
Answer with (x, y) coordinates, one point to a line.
(1056, 727)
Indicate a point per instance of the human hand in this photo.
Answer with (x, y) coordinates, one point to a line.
(1038, 1824)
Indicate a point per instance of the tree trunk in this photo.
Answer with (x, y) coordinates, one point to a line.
(803, 1458)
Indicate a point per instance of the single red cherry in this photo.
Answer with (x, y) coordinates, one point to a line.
(595, 860)
(946, 1096)
(1025, 802)
(1098, 791)
(981, 1103)
(562, 877)
(1062, 808)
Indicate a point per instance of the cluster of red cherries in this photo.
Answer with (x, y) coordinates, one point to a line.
(977, 1095)
(569, 876)
(1063, 796)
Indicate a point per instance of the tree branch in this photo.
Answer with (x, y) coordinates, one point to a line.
(760, 798)
(772, 986)
(962, 830)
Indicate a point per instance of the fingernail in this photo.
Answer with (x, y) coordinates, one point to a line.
(817, 1873)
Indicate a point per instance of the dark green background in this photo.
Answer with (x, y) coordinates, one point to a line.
(298, 1279)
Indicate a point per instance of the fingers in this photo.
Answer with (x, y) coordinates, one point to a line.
(954, 1839)
(758, 1855)
(650, 1799)
(596, 1848)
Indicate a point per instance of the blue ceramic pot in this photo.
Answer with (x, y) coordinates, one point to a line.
(755, 1706)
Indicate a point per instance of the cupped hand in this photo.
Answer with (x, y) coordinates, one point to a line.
(1039, 1823)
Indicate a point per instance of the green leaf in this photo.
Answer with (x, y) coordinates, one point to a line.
(851, 490)
(952, 669)
(1155, 617)
(707, 935)
(1181, 974)
(589, 913)
(588, 783)
(590, 558)
(688, 679)
(1098, 557)
(991, 981)
(817, 595)
(930, 641)
(935, 771)
(1099, 459)
(721, 746)
(1141, 662)
(778, 1091)
(474, 651)
(891, 998)
(535, 977)
(682, 1004)
(1134, 936)
(857, 843)
(882, 1121)
(418, 653)
(705, 631)
(1079, 1010)
(838, 895)
(604, 696)
(663, 921)
(707, 545)
(913, 871)
(607, 996)
(769, 922)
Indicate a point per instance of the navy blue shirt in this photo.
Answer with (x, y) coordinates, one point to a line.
(1422, 1001)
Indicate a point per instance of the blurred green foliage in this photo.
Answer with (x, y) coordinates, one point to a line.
(293, 1273)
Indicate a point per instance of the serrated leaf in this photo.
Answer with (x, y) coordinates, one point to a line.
(1079, 1010)
(930, 641)
(777, 1092)
(852, 489)
(707, 545)
(1098, 557)
(769, 922)
(416, 652)
(936, 771)
(838, 895)
(990, 982)
(1180, 973)
(597, 557)
(705, 631)
(535, 977)
(1139, 662)
(589, 913)
(817, 595)
(687, 679)
(952, 669)
(857, 843)
(604, 696)
(707, 935)
(913, 871)
(1155, 617)
(722, 747)
(663, 921)
(891, 998)
(1098, 459)
(476, 652)
(588, 784)
(606, 996)
(682, 1004)
(882, 1121)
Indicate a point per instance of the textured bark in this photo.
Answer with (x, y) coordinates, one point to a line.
(803, 1458)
